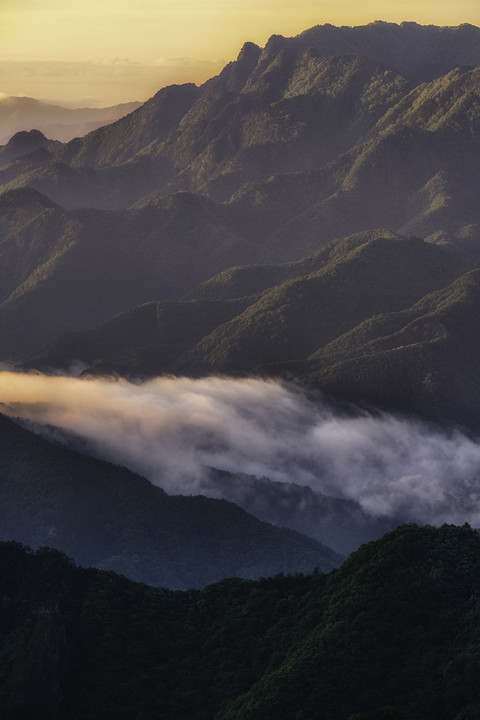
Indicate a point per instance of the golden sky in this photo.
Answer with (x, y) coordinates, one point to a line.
(101, 52)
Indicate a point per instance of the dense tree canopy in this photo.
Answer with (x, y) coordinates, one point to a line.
(391, 635)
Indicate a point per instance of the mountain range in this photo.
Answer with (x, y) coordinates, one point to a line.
(309, 214)
(309, 140)
(377, 319)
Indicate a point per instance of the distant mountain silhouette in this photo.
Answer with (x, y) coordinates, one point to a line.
(55, 121)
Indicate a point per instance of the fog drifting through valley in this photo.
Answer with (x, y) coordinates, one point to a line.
(171, 429)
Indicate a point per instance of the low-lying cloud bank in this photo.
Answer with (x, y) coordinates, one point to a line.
(170, 429)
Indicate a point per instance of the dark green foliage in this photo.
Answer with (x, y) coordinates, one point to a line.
(391, 635)
(398, 612)
(385, 713)
(107, 516)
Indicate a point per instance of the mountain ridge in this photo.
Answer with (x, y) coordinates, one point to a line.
(221, 110)
(108, 516)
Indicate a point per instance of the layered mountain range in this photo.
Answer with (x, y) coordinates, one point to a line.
(19, 114)
(376, 318)
(309, 214)
(336, 132)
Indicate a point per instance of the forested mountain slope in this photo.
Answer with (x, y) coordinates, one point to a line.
(62, 270)
(375, 318)
(391, 635)
(107, 516)
(335, 132)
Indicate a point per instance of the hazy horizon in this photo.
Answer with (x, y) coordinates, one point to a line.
(101, 54)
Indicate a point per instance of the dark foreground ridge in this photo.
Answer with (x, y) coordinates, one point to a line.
(390, 635)
(106, 516)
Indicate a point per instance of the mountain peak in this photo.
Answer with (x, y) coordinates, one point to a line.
(249, 52)
(27, 140)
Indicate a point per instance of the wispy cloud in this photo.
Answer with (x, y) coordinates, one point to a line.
(170, 429)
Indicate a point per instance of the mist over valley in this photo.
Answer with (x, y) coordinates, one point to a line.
(175, 430)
